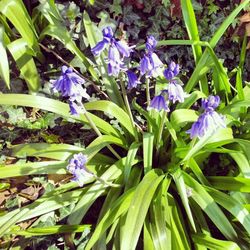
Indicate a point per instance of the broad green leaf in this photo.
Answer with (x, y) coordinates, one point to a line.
(212, 243)
(148, 146)
(208, 205)
(53, 151)
(159, 210)
(56, 107)
(138, 209)
(119, 207)
(49, 167)
(240, 184)
(179, 236)
(95, 191)
(16, 12)
(231, 205)
(129, 160)
(211, 140)
(182, 190)
(113, 110)
(39, 207)
(4, 64)
(25, 63)
(61, 33)
(242, 162)
(191, 25)
(60, 229)
(180, 117)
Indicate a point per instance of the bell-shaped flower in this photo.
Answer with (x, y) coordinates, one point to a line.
(75, 108)
(145, 65)
(69, 84)
(172, 71)
(123, 48)
(77, 167)
(151, 43)
(159, 103)
(100, 46)
(107, 32)
(208, 122)
(176, 92)
(211, 102)
(132, 79)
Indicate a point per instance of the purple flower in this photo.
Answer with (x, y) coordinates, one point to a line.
(70, 84)
(208, 122)
(212, 102)
(132, 79)
(107, 32)
(175, 92)
(172, 71)
(159, 103)
(149, 64)
(123, 48)
(151, 43)
(75, 109)
(78, 168)
(100, 46)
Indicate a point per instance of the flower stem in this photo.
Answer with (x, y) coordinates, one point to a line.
(159, 136)
(147, 92)
(125, 97)
(94, 127)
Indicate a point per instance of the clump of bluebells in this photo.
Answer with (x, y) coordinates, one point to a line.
(71, 86)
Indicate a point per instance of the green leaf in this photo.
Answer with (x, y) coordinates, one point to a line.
(25, 62)
(114, 110)
(138, 209)
(4, 64)
(148, 146)
(49, 167)
(205, 60)
(240, 184)
(60, 229)
(212, 243)
(56, 107)
(208, 205)
(233, 206)
(182, 190)
(16, 12)
(118, 208)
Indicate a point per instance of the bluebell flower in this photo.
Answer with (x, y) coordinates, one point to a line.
(77, 167)
(211, 102)
(123, 48)
(75, 109)
(159, 103)
(176, 92)
(208, 122)
(150, 62)
(172, 71)
(151, 43)
(132, 79)
(100, 46)
(107, 32)
(70, 84)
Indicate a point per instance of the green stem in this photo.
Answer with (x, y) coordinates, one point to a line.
(158, 140)
(94, 127)
(147, 92)
(125, 97)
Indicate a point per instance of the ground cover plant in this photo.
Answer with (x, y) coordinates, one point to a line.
(125, 147)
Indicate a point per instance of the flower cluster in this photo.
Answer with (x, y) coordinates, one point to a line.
(69, 85)
(150, 61)
(78, 169)
(174, 91)
(117, 51)
(210, 120)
